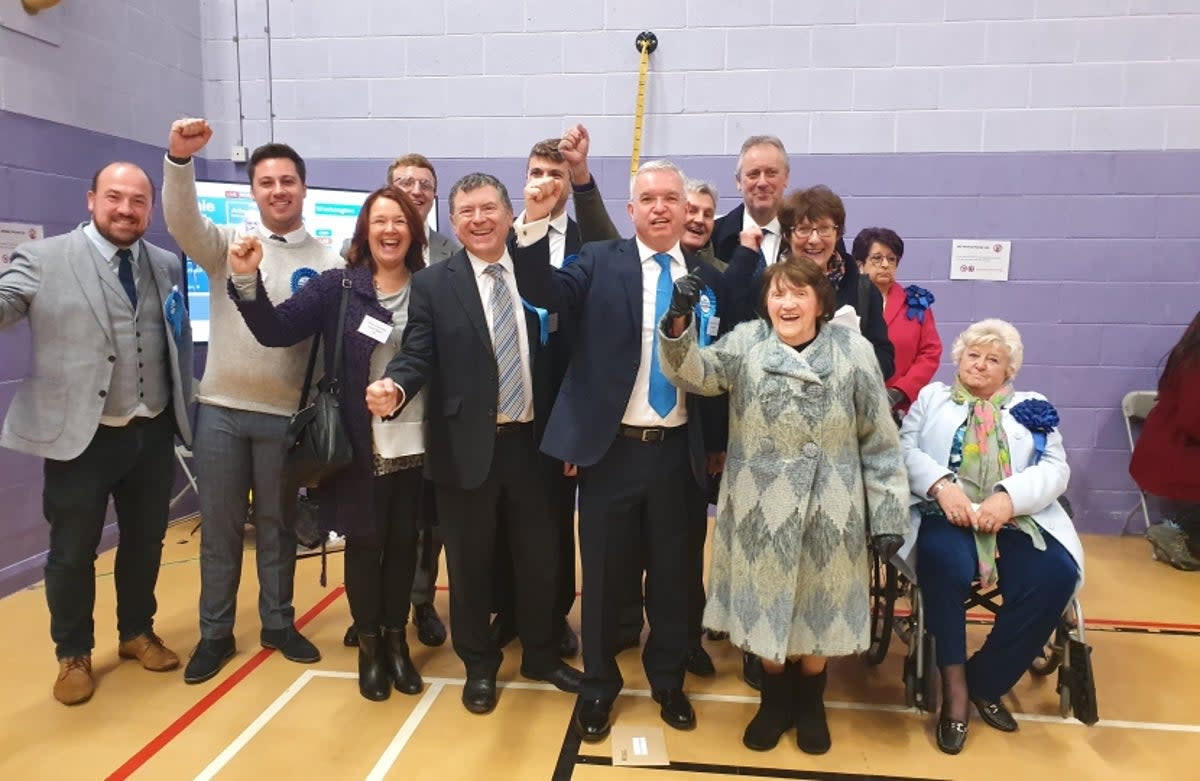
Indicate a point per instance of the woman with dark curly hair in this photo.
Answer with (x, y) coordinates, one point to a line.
(911, 327)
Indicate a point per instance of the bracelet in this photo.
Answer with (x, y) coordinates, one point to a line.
(940, 486)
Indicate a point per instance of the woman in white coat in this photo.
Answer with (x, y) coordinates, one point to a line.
(986, 467)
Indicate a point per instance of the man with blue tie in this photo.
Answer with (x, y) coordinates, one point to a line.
(485, 358)
(636, 439)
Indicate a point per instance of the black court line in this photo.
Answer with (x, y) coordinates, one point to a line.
(568, 755)
(756, 772)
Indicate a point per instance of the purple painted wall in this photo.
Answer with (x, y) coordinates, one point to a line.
(1105, 272)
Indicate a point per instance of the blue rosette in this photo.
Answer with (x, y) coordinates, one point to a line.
(706, 310)
(1040, 417)
(300, 278)
(543, 317)
(174, 309)
(918, 300)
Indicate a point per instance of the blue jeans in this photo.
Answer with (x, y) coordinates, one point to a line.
(135, 465)
(236, 451)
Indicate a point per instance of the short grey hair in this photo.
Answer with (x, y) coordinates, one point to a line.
(701, 187)
(474, 182)
(655, 165)
(992, 331)
(754, 141)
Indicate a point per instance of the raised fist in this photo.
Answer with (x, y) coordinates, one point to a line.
(245, 254)
(686, 295)
(752, 238)
(540, 196)
(574, 146)
(188, 136)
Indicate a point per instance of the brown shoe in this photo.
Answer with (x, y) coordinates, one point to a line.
(148, 649)
(74, 684)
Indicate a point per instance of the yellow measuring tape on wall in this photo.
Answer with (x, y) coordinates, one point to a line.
(646, 42)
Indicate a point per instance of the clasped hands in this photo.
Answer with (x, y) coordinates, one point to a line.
(991, 515)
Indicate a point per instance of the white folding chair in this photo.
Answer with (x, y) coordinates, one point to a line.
(1135, 407)
(183, 454)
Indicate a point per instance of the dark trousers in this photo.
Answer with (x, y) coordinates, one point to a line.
(424, 585)
(511, 505)
(135, 465)
(379, 566)
(562, 508)
(639, 495)
(1035, 586)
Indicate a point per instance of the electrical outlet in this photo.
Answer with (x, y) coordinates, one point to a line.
(238, 154)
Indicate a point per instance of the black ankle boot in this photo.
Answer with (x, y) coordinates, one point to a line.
(808, 702)
(373, 680)
(774, 717)
(400, 667)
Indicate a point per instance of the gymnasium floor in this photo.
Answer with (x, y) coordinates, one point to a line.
(266, 717)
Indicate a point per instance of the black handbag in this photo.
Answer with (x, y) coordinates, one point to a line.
(317, 444)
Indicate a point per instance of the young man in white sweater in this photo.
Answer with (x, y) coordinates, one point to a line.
(246, 397)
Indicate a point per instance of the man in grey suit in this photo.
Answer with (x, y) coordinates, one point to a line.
(107, 393)
(415, 175)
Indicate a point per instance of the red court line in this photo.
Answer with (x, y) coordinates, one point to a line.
(207, 701)
(985, 616)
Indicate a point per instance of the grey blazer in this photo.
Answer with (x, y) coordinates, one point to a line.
(440, 247)
(55, 283)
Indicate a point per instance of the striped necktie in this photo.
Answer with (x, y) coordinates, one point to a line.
(510, 396)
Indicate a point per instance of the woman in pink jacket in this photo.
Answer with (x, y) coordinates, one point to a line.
(911, 327)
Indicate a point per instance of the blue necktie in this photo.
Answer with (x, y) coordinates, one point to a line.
(662, 392)
(510, 396)
(125, 274)
(762, 256)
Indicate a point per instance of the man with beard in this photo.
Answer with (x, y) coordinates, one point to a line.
(107, 393)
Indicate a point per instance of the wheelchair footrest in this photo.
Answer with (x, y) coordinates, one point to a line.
(1077, 676)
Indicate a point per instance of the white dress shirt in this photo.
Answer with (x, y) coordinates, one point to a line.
(772, 240)
(558, 239)
(294, 237)
(639, 412)
(485, 282)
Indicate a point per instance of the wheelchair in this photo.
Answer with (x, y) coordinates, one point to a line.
(1066, 651)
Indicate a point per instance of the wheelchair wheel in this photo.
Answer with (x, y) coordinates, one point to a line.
(884, 578)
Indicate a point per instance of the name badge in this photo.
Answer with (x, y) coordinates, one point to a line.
(554, 322)
(714, 326)
(376, 329)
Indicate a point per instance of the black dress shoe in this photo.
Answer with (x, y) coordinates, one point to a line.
(675, 708)
(503, 630)
(700, 663)
(752, 671)
(208, 659)
(995, 714)
(568, 641)
(430, 629)
(288, 641)
(593, 719)
(479, 695)
(951, 735)
(564, 677)
(350, 639)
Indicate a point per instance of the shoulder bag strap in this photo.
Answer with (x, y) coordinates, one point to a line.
(341, 330)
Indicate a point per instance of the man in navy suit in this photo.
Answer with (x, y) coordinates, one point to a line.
(637, 440)
(484, 359)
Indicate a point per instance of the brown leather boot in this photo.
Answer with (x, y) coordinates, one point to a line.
(74, 685)
(148, 649)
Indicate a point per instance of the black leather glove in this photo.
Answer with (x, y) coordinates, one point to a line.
(896, 396)
(886, 545)
(686, 295)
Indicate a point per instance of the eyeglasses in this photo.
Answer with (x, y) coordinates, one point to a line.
(883, 260)
(824, 231)
(405, 182)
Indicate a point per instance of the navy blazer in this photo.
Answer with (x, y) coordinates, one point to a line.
(601, 294)
(314, 309)
(448, 351)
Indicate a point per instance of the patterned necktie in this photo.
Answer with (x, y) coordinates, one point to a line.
(510, 396)
(662, 394)
(125, 274)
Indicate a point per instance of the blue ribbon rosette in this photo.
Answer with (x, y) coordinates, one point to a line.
(706, 310)
(1040, 417)
(918, 300)
(543, 317)
(173, 311)
(569, 259)
(300, 278)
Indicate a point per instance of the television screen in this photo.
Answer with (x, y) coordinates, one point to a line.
(329, 216)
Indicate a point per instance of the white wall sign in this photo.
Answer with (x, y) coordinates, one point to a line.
(13, 234)
(980, 259)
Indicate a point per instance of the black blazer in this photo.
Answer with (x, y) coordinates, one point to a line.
(601, 294)
(448, 351)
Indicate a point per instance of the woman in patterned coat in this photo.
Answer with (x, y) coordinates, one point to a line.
(810, 437)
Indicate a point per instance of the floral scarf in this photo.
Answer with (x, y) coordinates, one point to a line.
(985, 462)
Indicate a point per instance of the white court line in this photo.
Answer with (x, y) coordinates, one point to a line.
(436, 685)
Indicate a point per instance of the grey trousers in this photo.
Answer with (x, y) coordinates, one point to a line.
(235, 452)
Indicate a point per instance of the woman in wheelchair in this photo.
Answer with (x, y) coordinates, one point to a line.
(986, 467)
